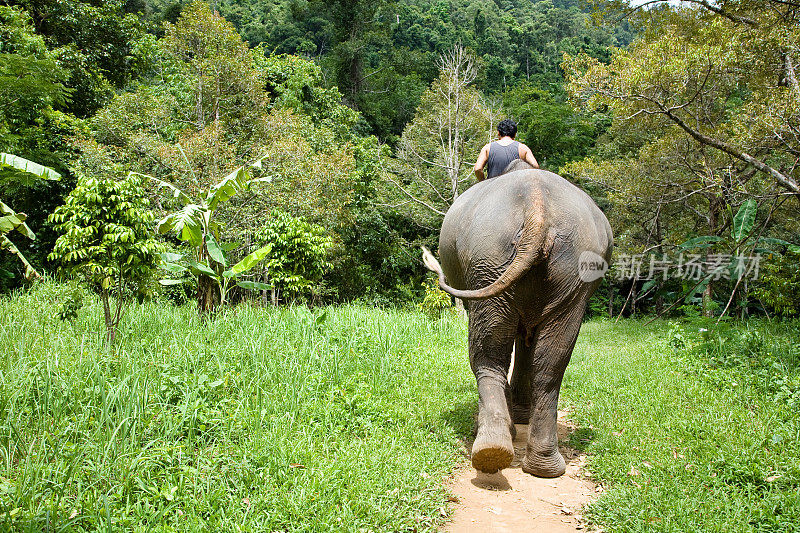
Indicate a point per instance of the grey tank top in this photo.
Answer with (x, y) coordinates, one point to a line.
(500, 157)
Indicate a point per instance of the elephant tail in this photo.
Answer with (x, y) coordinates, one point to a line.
(531, 250)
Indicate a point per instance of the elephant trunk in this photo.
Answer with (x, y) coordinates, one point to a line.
(531, 250)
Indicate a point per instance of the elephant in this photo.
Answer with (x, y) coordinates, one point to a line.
(525, 250)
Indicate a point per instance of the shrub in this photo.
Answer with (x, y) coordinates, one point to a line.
(436, 301)
(298, 257)
(780, 284)
(106, 240)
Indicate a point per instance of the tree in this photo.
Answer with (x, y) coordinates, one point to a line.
(779, 286)
(434, 159)
(354, 24)
(217, 64)
(549, 125)
(701, 123)
(107, 240)
(31, 81)
(724, 76)
(92, 41)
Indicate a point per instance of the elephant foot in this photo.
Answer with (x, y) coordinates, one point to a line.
(520, 414)
(491, 455)
(550, 465)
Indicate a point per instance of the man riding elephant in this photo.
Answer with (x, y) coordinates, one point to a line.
(523, 248)
(497, 155)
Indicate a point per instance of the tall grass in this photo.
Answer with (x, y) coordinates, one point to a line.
(348, 419)
(691, 427)
(259, 420)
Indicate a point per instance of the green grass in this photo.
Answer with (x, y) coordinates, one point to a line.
(350, 419)
(690, 430)
(261, 420)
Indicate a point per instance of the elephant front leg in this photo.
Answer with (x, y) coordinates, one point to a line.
(490, 356)
(520, 397)
(554, 344)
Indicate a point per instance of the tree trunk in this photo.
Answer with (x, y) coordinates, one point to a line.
(610, 300)
(207, 295)
(708, 297)
(108, 320)
(715, 204)
(274, 296)
(199, 103)
(659, 305)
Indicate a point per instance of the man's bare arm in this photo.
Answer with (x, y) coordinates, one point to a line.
(481, 162)
(527, 156)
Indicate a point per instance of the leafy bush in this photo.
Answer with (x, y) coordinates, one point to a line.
(72, 302)
(780, 284)
(298, 257)
(436, 301)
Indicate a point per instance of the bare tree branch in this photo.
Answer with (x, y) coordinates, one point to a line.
(704, 3)
(785, 181)
(414, 198)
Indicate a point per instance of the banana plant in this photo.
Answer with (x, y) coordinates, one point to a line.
(218, 269)
(13, 167)
(195, 224)
(742, 231)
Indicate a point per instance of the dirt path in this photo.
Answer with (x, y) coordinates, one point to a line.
(514, 501)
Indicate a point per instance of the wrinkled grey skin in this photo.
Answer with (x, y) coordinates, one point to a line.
(511, 246)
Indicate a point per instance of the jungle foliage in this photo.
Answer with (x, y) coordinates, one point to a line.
(344, 103)
(704, 114)
(382, 55)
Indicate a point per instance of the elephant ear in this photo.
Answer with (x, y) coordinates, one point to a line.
(430, 261)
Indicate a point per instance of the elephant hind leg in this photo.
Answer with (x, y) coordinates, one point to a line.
(493, 448)
(554, 344)
(490, 343)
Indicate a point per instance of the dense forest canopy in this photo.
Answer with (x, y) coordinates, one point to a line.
(382, 54)
(680, 119)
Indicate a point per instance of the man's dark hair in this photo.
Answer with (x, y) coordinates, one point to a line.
(507, 127)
